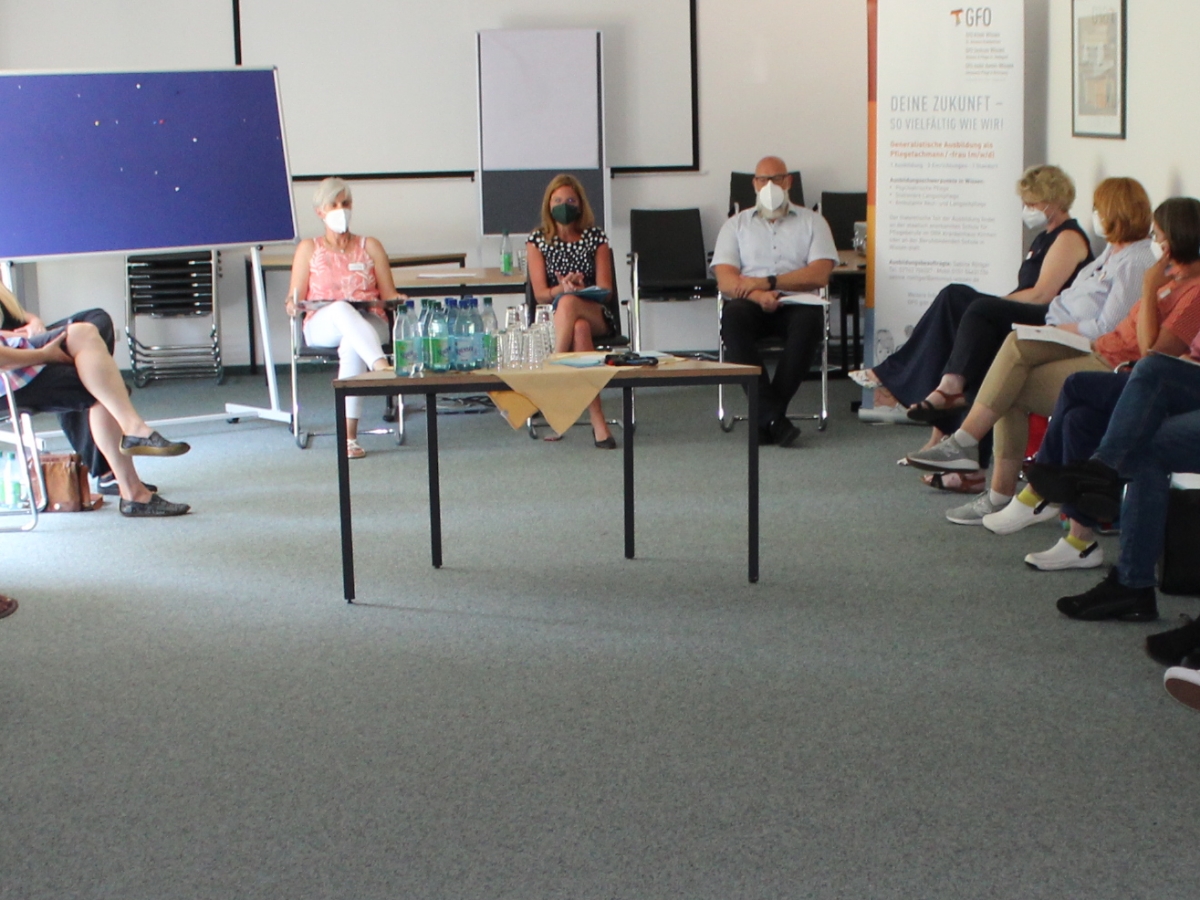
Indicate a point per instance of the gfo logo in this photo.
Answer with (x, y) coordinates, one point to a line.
(973, 17)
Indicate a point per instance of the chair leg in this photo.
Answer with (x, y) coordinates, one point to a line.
(726, 421)
(399, 420)
(823, 422)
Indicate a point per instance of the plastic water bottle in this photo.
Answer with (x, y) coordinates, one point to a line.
(451, 321)
(422, 330)
(477, 337)
(407, 342)
(465, 344)
(491, 335)
(506, 255)
(437, 340)
(12, 489)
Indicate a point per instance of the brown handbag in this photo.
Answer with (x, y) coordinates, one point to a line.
(67, 487)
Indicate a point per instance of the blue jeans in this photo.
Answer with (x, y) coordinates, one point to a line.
(1078, 423)
(1154, 431)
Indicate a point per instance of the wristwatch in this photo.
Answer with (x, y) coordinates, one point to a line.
(770, 282)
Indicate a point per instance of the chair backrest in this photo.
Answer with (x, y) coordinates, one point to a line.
(841, 211)
(743, 196)
(670, 247)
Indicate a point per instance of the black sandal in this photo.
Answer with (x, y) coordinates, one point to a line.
(928, 414)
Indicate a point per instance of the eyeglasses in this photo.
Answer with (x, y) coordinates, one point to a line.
(775, 179)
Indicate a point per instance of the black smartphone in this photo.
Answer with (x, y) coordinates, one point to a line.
(629, 359)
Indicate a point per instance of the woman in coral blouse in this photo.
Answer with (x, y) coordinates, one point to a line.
(340, 267)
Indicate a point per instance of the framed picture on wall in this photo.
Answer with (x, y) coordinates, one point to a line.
(1098, 68)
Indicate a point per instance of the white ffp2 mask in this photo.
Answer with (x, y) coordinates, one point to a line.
(772, 200)
(1033, 217)
(338, 220)
(1098, 225)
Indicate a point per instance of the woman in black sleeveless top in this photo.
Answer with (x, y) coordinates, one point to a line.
(951, 346)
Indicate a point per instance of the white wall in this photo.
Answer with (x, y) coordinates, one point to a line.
(784, 77)
(1162, 129)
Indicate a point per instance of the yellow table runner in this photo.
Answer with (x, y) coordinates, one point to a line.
(561, 392)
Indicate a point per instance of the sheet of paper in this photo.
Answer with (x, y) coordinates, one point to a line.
(1054, 336)
(803, 300)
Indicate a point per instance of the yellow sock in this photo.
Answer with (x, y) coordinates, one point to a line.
(1030, 498)
(1078, 543)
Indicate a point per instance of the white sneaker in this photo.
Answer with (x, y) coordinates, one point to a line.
(972, 513)
(1017, 515)
(1063, 556)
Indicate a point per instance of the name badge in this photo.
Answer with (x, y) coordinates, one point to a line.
(358, 267)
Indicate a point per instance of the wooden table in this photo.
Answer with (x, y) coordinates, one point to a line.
(432, 282)
(678, 374)
(282, 262)
(849, 278)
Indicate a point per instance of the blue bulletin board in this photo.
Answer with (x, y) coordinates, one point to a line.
(118, 162)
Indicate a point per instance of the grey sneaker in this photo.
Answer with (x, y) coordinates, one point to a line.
(946, 456)
(972, 513)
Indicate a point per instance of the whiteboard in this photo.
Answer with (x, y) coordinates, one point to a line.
(530, 131)
(378, 88)
(529, 122)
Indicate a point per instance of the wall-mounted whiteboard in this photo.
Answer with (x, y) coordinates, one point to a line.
(377, 88)
(123, 161)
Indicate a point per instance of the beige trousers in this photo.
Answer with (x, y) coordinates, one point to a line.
(1027, 377)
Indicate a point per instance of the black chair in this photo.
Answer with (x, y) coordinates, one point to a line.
(774, 347)
(668, 261)
(743, 196)
(612, 304)
(841, 211)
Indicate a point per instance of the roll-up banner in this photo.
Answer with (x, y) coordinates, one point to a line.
(947, 130)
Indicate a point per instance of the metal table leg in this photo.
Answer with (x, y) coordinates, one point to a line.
(752, 480)
(339, 410)
(435, 493)
(627, 433)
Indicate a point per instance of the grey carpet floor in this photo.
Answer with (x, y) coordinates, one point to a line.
(188, 709)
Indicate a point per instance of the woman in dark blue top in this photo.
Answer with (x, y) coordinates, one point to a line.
(1056, 255)
(916, 373)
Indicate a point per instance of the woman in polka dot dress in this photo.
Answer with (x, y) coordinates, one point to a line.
(567, 253)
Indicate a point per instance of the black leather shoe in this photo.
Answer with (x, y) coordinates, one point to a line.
(154, 445)
(783, 432)
(155, 507)
(609, 443)
(1111, 600)
(1170, 648)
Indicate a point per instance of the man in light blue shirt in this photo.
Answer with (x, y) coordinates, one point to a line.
(770, 262)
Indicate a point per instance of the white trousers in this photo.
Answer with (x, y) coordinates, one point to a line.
(359, 338)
